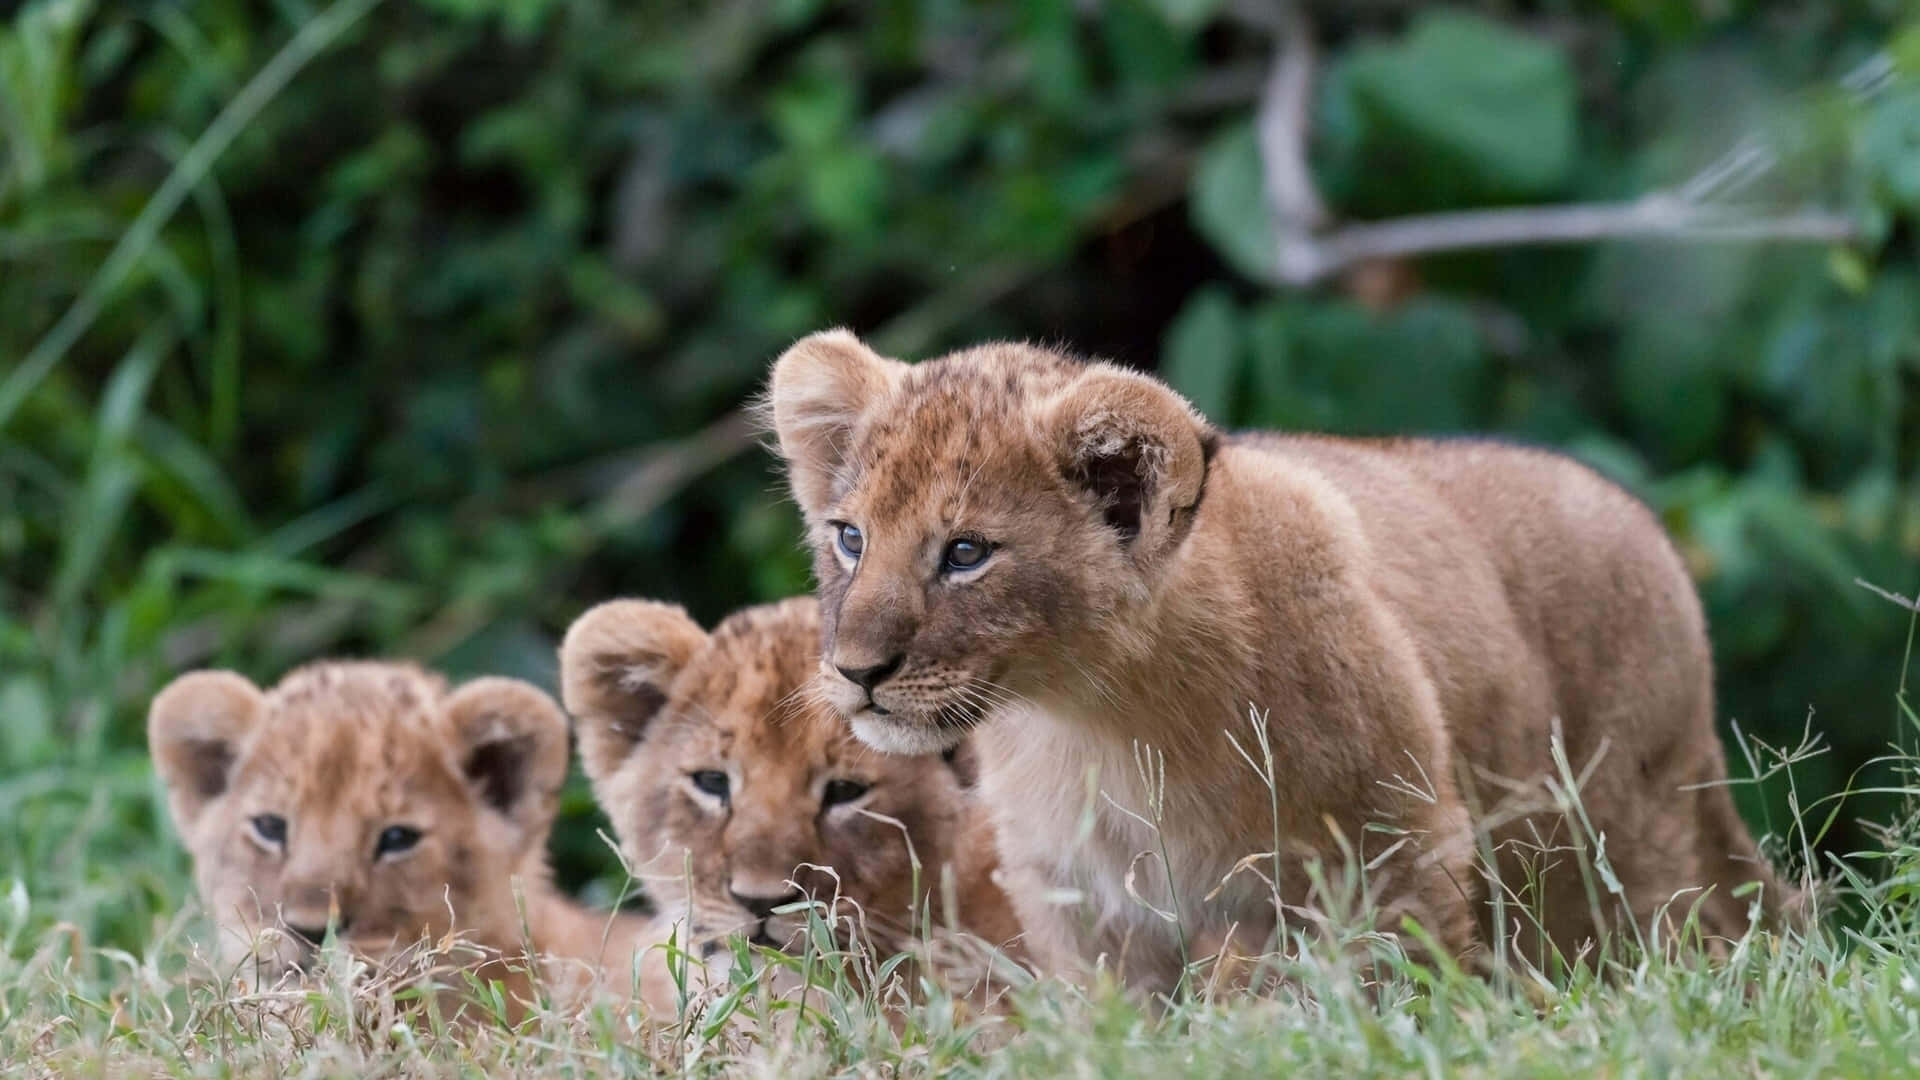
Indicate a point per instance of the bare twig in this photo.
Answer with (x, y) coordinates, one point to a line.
(1284, 119)
(1910, 605)
(661, 471)
(1306, 250)
(1660, 214)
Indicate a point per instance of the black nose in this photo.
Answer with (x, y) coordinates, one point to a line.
(314, 935)
(869, 677)
(762, 906)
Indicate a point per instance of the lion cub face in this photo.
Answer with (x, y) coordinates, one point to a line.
(973, 517)
(361, 796)
(733, 789)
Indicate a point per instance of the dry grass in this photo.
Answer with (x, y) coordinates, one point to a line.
(1841, 999)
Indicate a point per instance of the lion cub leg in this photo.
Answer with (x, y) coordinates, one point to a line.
(1082, 940)
(1437, 890)
(1424, 885)
(1228, 959)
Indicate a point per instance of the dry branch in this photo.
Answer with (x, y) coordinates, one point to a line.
(1307, 250)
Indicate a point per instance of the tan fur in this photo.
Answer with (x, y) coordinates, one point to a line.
(342, 751)
(1410, 619)
(658, 699)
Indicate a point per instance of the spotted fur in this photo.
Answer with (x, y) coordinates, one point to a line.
(1408, 622)
(658, 701)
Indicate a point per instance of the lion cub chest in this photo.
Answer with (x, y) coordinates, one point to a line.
(1111, 824)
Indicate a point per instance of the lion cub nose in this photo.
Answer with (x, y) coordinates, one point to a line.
(762, 905)
(869, 677)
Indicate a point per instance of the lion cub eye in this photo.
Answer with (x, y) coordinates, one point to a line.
(711, 781)
(852, 541)
(395, 839)
(842, 791)
(270, 828)
(966, 554)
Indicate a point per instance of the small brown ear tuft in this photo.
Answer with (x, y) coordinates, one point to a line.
(819, 390)
(616, 666)
(1137, 449)
(510, 742)
(196, 729)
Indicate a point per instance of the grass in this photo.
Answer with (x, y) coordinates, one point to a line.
(1841, 999)
(99, 970)
(1830, 1003)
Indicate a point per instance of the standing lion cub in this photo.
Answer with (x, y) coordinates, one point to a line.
(367, 800)
(1067, 561)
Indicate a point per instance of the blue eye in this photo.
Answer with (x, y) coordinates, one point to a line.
(966, 554)
(395, 839)
(852, 542)
(711, 781)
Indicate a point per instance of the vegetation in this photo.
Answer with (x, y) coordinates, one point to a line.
(415, 326)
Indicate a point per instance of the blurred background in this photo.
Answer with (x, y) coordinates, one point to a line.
(415, 327)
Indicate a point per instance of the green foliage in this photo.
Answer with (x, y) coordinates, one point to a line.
(1891, 146)
(1461, 111)
(413, 328)
(1229, 202)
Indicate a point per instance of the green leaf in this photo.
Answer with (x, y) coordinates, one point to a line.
(813, 111)
(520, 17)
(1229, 202)
(1890, 144)
(1786, 525)
(1905, 50)
(1142, 52)
(188, 482)
(847, 189)
(1186, 14)
(28, 735)
(1338, 367)
(113, 474)
(1470, 110)
(1849, 269)
(1832, 364)
(627, 307)
(1668, 384)
(1203, 354)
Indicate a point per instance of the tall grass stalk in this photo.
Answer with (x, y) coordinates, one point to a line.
(312, 39)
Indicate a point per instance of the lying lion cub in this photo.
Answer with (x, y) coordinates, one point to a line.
(735, 793)
(1065, 559)
(367, 798)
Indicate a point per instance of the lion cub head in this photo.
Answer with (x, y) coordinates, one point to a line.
(734, 790)
(975, 519)
(362, 797)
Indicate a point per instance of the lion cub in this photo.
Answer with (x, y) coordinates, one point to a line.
(368, 799)
(1066, 560)
(735, 792)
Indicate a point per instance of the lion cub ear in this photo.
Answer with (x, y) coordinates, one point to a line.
(820, 388)
(195, 730)
(1137, 449)
(510, 742)
(616, 665)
